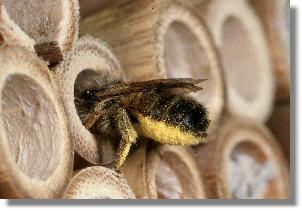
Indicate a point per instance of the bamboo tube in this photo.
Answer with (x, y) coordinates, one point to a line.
(88, 66)
(159, 39)
(279, 123)
(98, 183)
(35, 151)
(48, 27)
(80, 163)
(196, 3)
(241, 42)
(275, 18)
(165, 172)
(245, 161)
(137, 174)
(88, 7)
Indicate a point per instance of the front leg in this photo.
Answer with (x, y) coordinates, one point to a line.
(127, 133)
(102, 108)
(122, 124)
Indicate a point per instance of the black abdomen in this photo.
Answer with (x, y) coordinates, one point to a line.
(175, 110)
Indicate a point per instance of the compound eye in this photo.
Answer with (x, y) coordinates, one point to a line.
(89, 95)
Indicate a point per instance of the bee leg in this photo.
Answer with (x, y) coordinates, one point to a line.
(100, 109)
(127, 133)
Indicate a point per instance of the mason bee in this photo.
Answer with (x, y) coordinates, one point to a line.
(157, 109)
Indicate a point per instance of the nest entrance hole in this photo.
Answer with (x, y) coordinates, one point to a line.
(173, 178)
(44, 22)
(250, 173)
(239, 59)
(185, 57)
(30, 122)
(89, 79)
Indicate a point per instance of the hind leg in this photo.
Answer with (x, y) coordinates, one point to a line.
(127, 133)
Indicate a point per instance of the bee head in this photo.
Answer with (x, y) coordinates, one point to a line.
(89, 96)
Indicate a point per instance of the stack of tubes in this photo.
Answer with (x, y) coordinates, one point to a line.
(49, 56)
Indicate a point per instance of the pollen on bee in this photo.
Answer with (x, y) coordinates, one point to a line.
(167, 134)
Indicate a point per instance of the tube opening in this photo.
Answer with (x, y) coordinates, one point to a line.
(45, 20)
(31, 126)
(185, 57)
(239, 59)
(173, 178)
(250, 173)
(107, 139)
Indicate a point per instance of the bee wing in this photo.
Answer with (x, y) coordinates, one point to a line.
(183, 85)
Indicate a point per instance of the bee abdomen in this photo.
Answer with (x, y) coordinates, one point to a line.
(189, 115)
(153, 104)
(161, 108)
(175, 110)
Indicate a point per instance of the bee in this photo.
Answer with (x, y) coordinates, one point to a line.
(159, 109)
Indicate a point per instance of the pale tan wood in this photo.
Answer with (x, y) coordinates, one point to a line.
(98, 183)
(196, 3)
(137, 173)
(244, 52)
(35, 150)
(88, 7)
(163, 172)
(243, 149)
(274, 15)
(160, 39)
(87, 67)
(48, 28)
